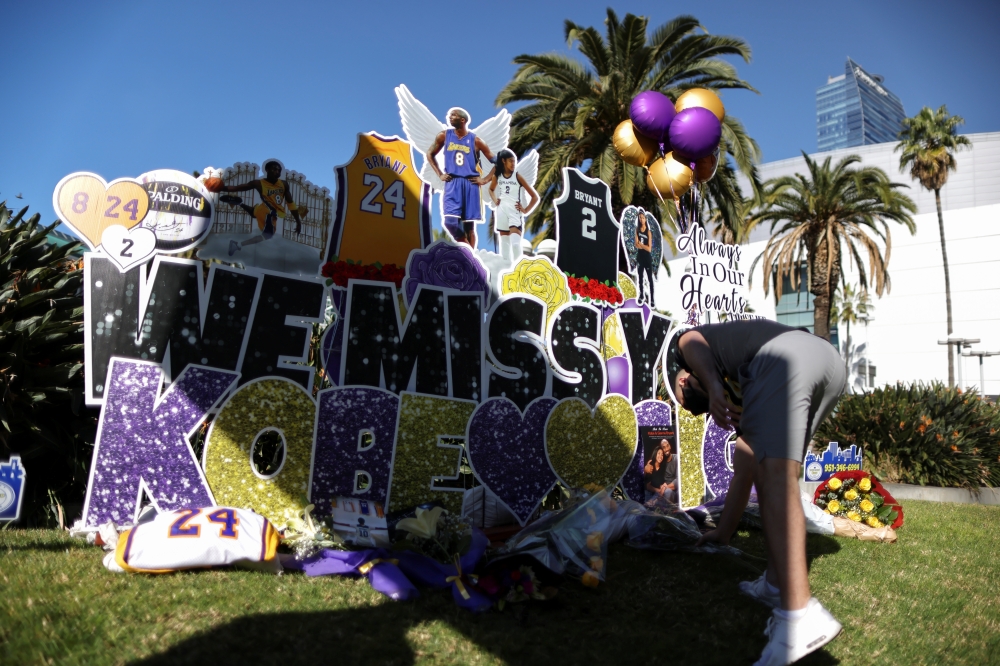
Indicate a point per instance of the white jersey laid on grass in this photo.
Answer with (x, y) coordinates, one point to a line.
(216, 536)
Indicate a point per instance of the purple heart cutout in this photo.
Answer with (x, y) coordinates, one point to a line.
(507, 453)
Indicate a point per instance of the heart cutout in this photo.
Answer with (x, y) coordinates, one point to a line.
(88, 205)
(507, 452)
(128, 247)
(591, 447)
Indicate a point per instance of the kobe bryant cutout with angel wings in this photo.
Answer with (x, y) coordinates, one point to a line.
(455, 159)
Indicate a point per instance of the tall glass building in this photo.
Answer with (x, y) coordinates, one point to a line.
(855, 109)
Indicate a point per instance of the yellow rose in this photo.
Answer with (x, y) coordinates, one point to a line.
(833, 506)
(873, 521)
(835, 483)
(594, 540)
(627, 286)
(538, 277)
(851, 495)
(826, 511)
(865, 484)
(596, 563)
(590, 579)
(854, 515)
(866, 506)
(614, 337)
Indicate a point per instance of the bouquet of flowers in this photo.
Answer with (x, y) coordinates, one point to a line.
(339, 272)
(513, 586)
(592, 291)
(435, 533)
(859, 497)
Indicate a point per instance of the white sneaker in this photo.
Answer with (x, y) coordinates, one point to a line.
(761, 591)
(793, 639)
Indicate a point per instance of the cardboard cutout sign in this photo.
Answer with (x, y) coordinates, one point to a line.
(12, 479)
(383, 207)
(586, 231)
(643, 262)
(273, 219)
(131, 219)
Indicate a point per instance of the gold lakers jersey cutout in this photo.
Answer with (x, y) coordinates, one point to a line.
(383, 207)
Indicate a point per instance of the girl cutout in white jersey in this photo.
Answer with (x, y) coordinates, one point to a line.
(510, 179)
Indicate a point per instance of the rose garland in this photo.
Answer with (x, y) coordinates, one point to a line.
(599, 293)
(860, 497)
(339, 272)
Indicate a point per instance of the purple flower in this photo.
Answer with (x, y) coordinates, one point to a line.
(445, 265)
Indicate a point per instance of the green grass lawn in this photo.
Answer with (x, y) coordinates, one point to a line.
(931, 598)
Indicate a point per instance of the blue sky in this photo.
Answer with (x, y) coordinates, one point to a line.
(119, 88)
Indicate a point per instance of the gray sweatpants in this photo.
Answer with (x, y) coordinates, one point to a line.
(793, 383)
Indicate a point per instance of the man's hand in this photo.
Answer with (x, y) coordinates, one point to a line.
(446, 177)
(481, 181)
(715, 536)
(724, 414)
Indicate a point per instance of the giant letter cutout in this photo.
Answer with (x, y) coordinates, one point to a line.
(645, 343)
(690, 431)
(507, 453)
(465, 343)
(520, 371)
(265, 404)
(355, 427)
(282, 327)
(717, 457)
(375, 354)
(591, 447)
(420, 458)
(174, 312)
(573, 338)
(142, 441)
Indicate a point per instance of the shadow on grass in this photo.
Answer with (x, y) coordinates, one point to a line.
(656, 606)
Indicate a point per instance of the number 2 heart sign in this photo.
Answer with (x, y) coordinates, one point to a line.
(128, 247)
(89, 206)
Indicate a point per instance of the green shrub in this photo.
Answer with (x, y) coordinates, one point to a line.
(921, 434)
(42, 414)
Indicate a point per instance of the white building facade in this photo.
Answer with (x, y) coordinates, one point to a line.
(901, 340)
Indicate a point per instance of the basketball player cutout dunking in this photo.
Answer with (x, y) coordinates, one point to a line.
(505, 190)
(463, 206)
(276, 202)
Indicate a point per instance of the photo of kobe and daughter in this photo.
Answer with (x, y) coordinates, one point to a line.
(660, 471)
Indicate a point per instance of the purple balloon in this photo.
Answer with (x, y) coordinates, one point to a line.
(695, 133)
(652, 113)
(619, 376)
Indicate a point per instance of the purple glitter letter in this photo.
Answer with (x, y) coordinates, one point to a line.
(507, 452)
(344, 414)
(717, 457)
(142, 440)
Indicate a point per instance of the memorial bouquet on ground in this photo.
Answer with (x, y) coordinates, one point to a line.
(859, 497)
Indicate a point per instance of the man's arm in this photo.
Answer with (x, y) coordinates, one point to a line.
(431, 157)
(698, 356)
(737, 497)
(481, 147)
(252, 185)
(292, 206)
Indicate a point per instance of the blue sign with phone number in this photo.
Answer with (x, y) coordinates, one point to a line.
(833, 460)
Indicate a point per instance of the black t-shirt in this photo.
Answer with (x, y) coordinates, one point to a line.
(734, 344)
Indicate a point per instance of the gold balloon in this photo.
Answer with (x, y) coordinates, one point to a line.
(632, 146)
(704, 169)
(704, 98)
(669, 178)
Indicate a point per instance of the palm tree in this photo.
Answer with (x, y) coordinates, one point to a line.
(573, 107)
(822, 213)
(849, 305)
(927, 142)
